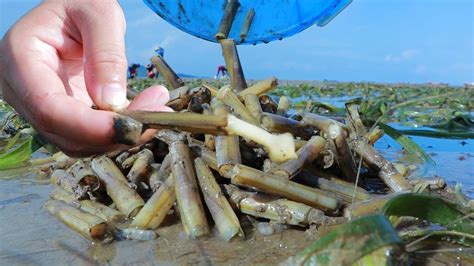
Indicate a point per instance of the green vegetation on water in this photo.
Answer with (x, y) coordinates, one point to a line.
(443, 111)
(446, 110)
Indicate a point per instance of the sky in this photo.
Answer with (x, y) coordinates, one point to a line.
(413, 41)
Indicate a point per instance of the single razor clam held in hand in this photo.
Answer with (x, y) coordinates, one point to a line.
(246, 21)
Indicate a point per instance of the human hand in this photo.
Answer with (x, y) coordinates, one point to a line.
(61, 59)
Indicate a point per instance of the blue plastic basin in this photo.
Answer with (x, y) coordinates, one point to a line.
(273, 19)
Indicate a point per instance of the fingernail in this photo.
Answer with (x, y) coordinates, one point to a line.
(114, 95)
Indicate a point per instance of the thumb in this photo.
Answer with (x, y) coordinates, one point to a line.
(102, 28)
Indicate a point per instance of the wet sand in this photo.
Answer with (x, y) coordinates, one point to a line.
(30, 236)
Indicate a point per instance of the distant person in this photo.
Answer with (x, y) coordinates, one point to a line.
(223, 71)
(160, 51)
(132, 71)
(150, 71)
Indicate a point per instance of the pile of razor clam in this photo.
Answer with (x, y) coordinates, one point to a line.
(233, 151)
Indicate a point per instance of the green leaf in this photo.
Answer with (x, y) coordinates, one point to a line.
(460, 121)
(349, 242)
(330, 108)
(430, 208)
(409, 145)
(18, 155)
(453, 236)
(388, 255)
(439, 133)
(10, 143)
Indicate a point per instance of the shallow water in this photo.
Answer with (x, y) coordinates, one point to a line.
(453, 158)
